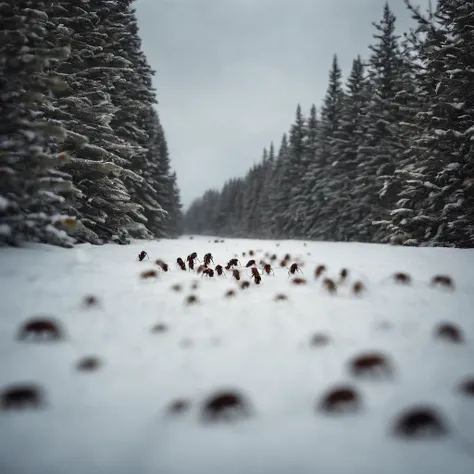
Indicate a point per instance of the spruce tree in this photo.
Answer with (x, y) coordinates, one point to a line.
(295, 168)
(282, 189)
(135, 120)
(380, 152)
(439, 191)
(33, 189)
(307, 206)
(99, 158)
(320, 174)
(268, 190)
(347, 139)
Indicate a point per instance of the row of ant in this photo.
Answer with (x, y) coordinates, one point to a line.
(219, 269)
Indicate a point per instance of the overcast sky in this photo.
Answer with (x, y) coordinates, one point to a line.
(230, 73)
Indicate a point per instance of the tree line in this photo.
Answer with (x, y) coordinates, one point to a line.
(83, 154)
(388, 157)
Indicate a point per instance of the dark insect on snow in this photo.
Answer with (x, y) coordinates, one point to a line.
(90, 301)
(420, 422)
(208, 259)
(250, 263)
(236, 274)
(181, 264)
(160, 327)
(256, 276)
(298, 281)
(358, 287)
(330, 285)
(191, 299)
(280, 297)
(402, 278)
(225, 406)
(319, 340)
(208, 272)
(293, 269)
(40, 329)
(343, 274)
(449, 332)
(88, 364)
(267, 269)
(22, 396)
(230, 293)
(371, 364)
(443, 280)
(233, 262)
(319, 270)
(219, 270)
(142, 255)
(176, 287)
(244, 284)
(164, 266)
(200, 269)
(148, 274)
(251, 253)
(340, 399)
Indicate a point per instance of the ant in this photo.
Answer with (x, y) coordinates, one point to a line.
(208, 271)
(181, 264)
(402, 278)
(343, 274)
(190, 260)
(164, 266)
(442, 280)
(256, 276)
(201, 268)
(250, 263)
(319, 270)
(236, 274)
(142, 255)
(330, 285)
(293, 269)
(267, 269)
(219, 270)
(233, 262)
(208, 259)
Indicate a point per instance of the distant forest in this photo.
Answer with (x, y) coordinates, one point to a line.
(388, 157)
(83, 155)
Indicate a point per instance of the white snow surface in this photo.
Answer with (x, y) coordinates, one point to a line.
(115, 419)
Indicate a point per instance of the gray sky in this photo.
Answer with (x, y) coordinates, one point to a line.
(230, 73)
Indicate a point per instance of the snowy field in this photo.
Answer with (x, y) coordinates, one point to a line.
(156, 352)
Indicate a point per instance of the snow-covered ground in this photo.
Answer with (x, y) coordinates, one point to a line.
(116, 419)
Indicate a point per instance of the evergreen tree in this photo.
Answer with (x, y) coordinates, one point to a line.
(380, 152)
(320, 173)
(99, 158)
(295, 169)
(347, 139)
(135, 121)
(33, 190)
(307, 206)
(440, 191)
(281, 190)
(268, 191)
